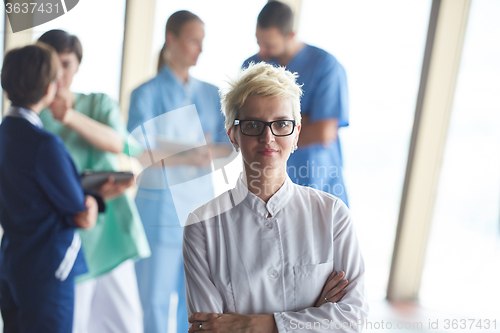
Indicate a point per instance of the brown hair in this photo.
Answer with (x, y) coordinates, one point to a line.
(174, 25)
(27, 73)
(276, 14)
(63, 42)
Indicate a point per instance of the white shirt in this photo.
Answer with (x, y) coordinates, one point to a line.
(237, 259)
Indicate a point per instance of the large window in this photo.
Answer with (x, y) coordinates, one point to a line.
(381, 45)
(463, 258)
(99, 26)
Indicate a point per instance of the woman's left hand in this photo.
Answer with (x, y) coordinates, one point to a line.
(333, 291)
(231, 322)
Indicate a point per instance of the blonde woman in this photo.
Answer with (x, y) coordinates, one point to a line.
(270, 255)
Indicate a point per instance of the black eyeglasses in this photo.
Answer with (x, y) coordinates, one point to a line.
(256, 127)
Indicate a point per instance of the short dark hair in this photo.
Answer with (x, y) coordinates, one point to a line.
(276, 14)
(63, 42)
(27, 73)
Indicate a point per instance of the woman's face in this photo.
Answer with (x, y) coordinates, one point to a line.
(69, 65)
(266, 151)
(186, 48)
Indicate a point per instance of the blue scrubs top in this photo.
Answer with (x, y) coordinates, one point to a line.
(325, 96)
(165, 108)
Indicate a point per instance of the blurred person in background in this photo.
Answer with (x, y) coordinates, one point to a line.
(106, 298)
(325, 106)
(41, 202)
(162, 211)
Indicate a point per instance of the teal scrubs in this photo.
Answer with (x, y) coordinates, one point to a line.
(165, 109)
(325, 96)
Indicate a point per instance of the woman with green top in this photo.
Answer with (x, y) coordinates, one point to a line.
(106, 298)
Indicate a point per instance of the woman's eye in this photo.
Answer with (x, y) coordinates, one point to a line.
(283, 124)
(251, 125)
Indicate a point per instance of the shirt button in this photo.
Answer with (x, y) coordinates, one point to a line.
(269, 225)
(273, 273)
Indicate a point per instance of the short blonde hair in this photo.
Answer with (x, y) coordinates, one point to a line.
(263, 80)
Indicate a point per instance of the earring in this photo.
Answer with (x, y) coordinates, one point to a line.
(237, 148)
(294, 148)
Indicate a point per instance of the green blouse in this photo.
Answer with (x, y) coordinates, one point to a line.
(118, 234)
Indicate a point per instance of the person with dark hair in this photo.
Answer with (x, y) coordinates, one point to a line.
(42, 202)
(325, 106)
(162, 111)
(107, 297)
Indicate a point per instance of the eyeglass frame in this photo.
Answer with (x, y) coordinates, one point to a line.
(266, 123)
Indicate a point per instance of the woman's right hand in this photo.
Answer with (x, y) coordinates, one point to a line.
(61, 107)
(333, 291)
(111, 189)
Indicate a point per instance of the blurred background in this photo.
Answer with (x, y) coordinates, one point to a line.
(445, 265)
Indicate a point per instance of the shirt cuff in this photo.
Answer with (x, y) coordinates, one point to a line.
(280, 322)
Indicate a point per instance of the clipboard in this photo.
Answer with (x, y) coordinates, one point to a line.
(93, 180)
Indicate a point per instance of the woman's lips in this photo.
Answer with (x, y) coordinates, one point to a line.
(267, 152)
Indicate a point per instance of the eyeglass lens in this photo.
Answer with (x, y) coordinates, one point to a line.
(255, 127)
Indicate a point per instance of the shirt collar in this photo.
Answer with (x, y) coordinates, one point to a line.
(24, 113)
(279, 200)
(186, 87)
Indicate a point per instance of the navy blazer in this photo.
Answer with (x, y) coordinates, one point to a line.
(40, 192)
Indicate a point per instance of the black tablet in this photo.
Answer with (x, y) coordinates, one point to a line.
(93, 180)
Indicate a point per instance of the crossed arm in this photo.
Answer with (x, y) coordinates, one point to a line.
(323, 131)
(333, 291)
(200, 157)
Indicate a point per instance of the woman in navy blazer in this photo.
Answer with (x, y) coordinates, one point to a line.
(41, 202)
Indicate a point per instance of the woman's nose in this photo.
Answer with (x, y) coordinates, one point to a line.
(267, 135)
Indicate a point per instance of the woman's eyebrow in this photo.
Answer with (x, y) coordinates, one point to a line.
(276, 118)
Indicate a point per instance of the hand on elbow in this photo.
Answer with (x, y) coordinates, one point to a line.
(333, 291)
